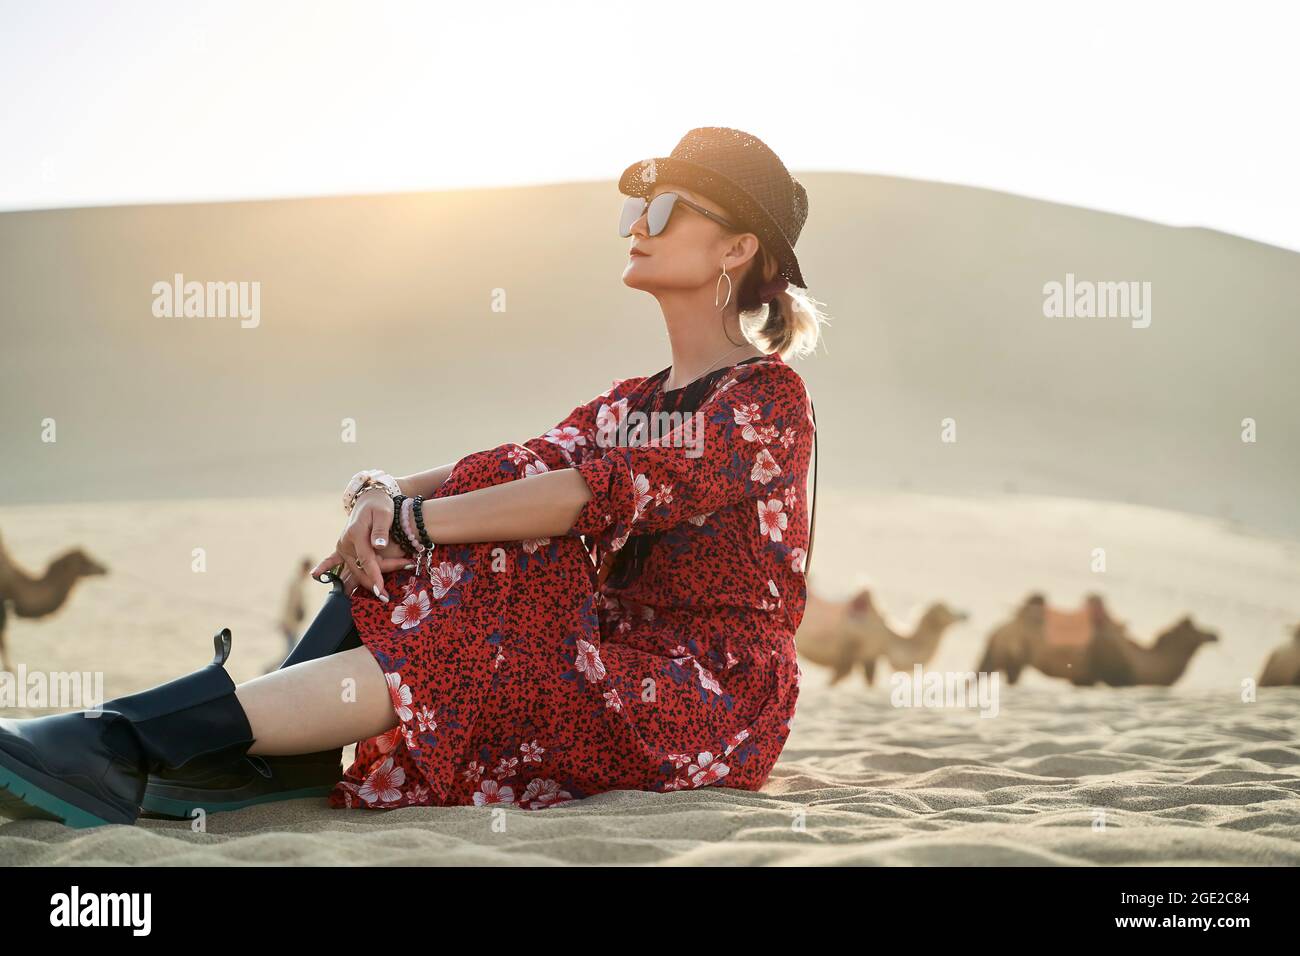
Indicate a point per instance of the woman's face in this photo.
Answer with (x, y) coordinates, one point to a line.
(690, 251)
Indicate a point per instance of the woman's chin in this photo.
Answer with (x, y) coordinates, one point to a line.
(635, 277)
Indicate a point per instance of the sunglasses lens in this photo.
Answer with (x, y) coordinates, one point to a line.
(633, 206)
(661, 207)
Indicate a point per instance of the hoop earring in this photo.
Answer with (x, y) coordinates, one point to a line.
(719, 286)
(743, 336)
(744, 339)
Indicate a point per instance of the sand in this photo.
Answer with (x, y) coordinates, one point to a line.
(1191, 775)
(1133, 777)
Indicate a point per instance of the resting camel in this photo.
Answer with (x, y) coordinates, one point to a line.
(842, 635)
(30, 596)
(1283, 667)
(1050, 640)
(839, 634)
(1117, 660)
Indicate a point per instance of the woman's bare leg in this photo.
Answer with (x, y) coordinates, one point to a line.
(317, 705)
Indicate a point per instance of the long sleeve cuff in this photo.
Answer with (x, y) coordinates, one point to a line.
(598, 514)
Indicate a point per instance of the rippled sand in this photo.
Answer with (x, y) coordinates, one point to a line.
(1092, 777)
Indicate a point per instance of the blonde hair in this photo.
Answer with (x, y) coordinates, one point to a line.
(790, 324)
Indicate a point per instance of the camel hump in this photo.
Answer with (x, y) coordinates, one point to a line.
(861, 602)
(1067, 628)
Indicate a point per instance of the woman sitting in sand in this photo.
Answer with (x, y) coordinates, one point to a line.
(543, 621)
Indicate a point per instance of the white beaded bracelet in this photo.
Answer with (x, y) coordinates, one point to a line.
(366, 479)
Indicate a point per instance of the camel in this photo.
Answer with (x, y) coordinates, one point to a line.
(1050, 640)
(906, 652)
(1008, 648)
(1117, 660)
(35, 597)
(840, 634)
(1283, 666)
(844, 634)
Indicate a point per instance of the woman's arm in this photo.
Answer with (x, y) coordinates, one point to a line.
(426, 482)
(540, 506)
(571, 441)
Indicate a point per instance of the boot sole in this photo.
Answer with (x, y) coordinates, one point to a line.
(182, 808)
(26, 792)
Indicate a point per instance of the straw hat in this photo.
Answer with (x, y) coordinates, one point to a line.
(737, 171)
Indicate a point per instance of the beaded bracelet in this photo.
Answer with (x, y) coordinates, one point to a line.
(424, 563)
(364, 480)
(418, 510)
(398, 535)
(408, 526)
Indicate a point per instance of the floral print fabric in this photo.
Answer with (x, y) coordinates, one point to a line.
(533, 673)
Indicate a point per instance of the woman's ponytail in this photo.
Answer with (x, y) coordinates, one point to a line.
(789, 322)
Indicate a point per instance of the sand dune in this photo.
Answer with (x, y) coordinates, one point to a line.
(936, 292)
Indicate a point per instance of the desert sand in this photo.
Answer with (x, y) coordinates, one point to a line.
(1191, 775)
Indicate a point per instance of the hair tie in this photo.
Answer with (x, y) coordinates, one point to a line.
(770, 290)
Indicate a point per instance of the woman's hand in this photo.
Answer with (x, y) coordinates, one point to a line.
(391, 557)
(365, 539)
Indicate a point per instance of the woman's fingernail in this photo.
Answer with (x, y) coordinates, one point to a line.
(408, 567)
(380, 542)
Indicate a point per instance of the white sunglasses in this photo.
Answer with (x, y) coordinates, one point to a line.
(661, 208)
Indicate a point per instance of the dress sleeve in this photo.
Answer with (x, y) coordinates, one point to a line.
(573, 440)
(751, 439)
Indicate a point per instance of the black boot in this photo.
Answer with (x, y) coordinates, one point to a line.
(90, 767)
(216, 785)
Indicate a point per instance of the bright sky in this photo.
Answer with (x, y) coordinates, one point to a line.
(1180, 113)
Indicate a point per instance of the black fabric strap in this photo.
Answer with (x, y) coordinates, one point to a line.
(812, 523)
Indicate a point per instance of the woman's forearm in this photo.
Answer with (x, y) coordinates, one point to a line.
(541, 506)
(426, 482)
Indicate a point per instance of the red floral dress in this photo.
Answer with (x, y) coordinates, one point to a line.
(650, 648)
